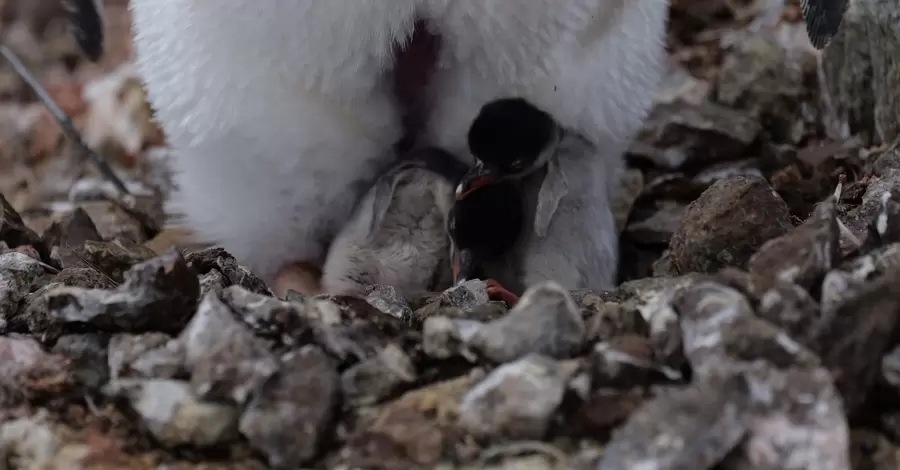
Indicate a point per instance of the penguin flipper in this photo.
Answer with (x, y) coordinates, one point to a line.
(823, 18)
(553, 189)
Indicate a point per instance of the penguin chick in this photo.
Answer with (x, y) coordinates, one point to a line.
(823, 18)
(510, 139)
(396, 236)
(483, 227)
(513, 140)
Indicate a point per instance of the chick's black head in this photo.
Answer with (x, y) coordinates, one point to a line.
(509, 135)
(488, 221)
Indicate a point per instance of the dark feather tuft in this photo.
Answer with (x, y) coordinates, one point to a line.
(823, 18)
(87, 26)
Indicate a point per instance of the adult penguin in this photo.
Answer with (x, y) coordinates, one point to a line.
(281, 112)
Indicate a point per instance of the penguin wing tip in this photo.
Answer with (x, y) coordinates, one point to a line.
(86, 23)
(823, 18)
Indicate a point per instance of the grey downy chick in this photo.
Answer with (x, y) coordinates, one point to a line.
(562, 240)
(397, 235)
(823, 18)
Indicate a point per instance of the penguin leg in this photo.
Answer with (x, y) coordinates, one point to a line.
(301, 277)
(498, 292)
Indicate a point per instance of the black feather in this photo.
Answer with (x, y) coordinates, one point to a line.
(823, 18)
(510, 129)
(87, 26)
(488, 221)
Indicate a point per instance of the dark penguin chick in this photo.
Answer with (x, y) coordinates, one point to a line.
(510, 138)
(823, 18)
(483, 227)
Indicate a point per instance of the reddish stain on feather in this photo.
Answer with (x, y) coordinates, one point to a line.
(413, 67)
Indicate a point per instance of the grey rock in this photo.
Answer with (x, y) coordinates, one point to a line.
(288, 323)
(659, 226)
(87, 354)
(388, 300)
(692, 427)
(628, 361)
(443, 337)
(798, 421)
(175, 415)
(112, 259)
(157, 295)
(28, 372)
(225, 360)
(205, 261)
(652, 298)
(803, 255)
(720, 331)
(515, 401)
(544, 321)
(295, 411)
(702, 133)
(877, 219)
(376, 378)
(149, 355)
(213, 281)
(14, 233)
(789, 307)
(608, 320)
(70, 232)
(727, 224)
(859, 321)
(88, 278)
(766, 74)
(351, 330)
(19, 274)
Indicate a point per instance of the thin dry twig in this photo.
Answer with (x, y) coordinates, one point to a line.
(62, 119)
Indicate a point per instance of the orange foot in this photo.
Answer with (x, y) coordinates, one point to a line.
(301, 277)
(497, 292)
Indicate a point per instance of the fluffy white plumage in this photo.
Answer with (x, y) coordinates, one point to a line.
(277, 107)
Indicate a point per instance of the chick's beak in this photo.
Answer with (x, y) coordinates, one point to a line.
(463, 266)
(477, 177)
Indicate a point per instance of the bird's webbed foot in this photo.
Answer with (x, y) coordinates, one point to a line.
(498, 292)
(304, 278)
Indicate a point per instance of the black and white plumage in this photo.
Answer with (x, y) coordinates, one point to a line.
(823, 18)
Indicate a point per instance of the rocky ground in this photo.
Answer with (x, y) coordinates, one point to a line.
(756, 326)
